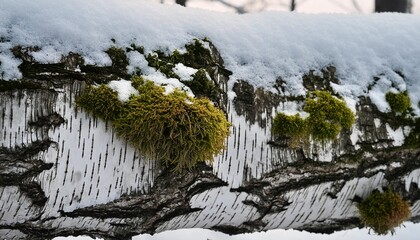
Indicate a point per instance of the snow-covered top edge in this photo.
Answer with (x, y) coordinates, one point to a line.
(256, 47)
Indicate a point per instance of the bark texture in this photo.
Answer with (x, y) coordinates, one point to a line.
(64, 172)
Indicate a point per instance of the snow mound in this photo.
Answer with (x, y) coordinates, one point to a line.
(256, 47)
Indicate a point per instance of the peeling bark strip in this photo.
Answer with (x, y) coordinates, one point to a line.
(64, 172)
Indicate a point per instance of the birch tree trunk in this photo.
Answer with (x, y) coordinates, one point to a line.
(65, 172)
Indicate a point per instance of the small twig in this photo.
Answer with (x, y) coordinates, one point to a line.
(357, 6)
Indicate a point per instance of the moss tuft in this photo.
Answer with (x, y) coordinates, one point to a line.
(413, 139)
(327, 115)
(118, 57)
(382, 212)
(285, 125)
(134, 47)
(197, 56)
(399, 102)
(325, 130)
(203, 86)
(163, 63)
(101, 101)
(292, 127)
(174, 128)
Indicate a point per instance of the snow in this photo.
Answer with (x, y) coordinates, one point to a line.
(397, 135)
(123, 88)
(47, 54)
(377, 122)
(293, 108)
(354, 137)
(184, 72)
(137, 62)
(8, 64)
(256, 47)
(409, 232)
(170, 84)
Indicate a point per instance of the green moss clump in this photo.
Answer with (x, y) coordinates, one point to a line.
(202, 86)
(197, 56)
(285, 125)
(118, 57)
(399, 102)
(325, 130)
(134, 47)
(102, 101)
(163, 63)
(382, 212)
(413, 139)
(327, 115)
(174, 128)
(292, 127)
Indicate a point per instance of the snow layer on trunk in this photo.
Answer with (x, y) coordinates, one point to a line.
(256, 47)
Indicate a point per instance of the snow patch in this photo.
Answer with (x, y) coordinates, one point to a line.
(354, 137)
(123, 88)
(377, 122)
(137, 62)
(184, 72)
(395, 165)
(170, 84)
(397, 135)
(258, 48)
(47, 54)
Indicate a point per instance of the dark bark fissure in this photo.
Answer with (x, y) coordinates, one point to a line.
(308, 174)
(71, 67)
(51, 120)
(172, 192)
(18, 166)
(142, 213)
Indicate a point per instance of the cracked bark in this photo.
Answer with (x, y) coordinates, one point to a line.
(17, 168)
(63, 172)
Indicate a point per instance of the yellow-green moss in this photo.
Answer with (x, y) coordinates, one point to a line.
(163, 63)
(197, 56)
(174, 128)
(285, 125)
(118, 57)
(293, 127)
(134, 47)
(413, 139)
(327, 116)
(202, 86)
(399, 102)
(101, 101)
(382, 212)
